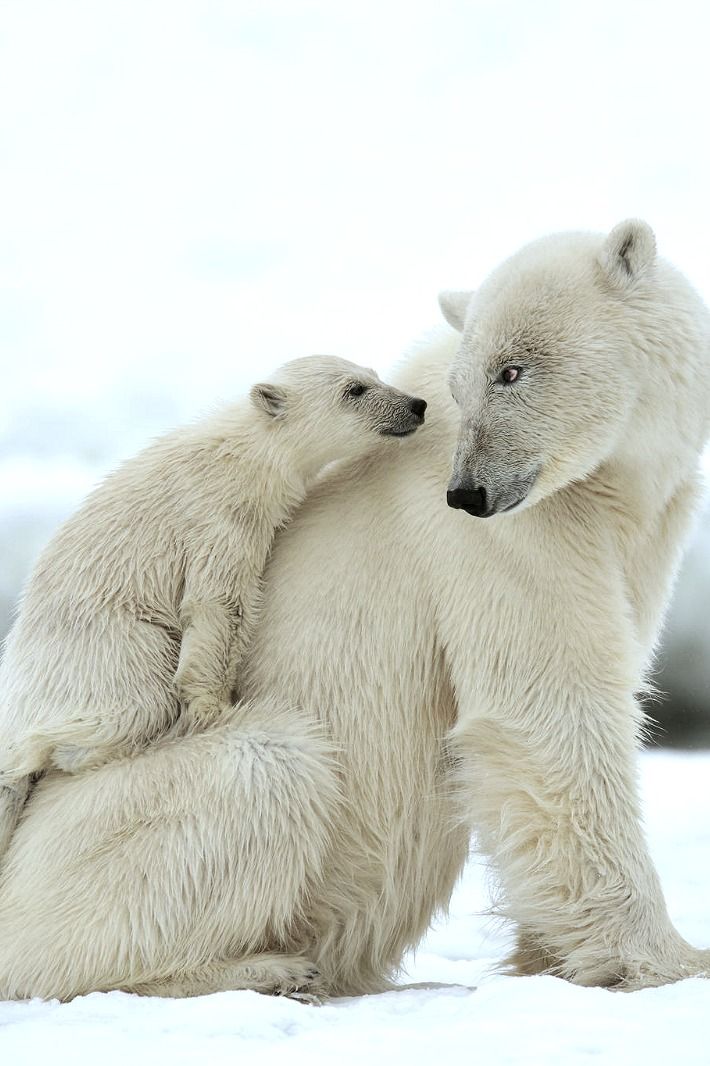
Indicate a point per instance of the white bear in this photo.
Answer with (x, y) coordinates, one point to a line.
(417, 673)
(143, 602)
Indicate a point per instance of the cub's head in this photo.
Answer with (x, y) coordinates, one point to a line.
(334, 409)
(548, 367)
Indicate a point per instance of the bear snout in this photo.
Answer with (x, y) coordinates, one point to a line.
(466, 493)
(473, 499)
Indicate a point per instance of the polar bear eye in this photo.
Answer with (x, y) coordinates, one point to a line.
(355, 389)
(509, 374)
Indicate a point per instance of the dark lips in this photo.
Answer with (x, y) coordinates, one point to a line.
(399, 432)
(418, 421)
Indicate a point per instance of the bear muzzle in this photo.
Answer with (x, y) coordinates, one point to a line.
(477, 499)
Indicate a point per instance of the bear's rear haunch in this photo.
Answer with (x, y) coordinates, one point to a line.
(418, 673)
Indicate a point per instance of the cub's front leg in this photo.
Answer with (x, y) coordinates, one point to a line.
(206, 667)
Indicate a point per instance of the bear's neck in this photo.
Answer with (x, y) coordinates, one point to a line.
(656, 456)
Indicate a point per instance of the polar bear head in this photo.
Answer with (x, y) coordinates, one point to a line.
(549, 364)
(324, 408)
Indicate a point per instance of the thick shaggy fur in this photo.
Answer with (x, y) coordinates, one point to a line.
(415, 673)
(142, 605)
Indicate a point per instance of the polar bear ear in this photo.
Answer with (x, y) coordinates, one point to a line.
(454, 306)
(628, 252)
(269, 398)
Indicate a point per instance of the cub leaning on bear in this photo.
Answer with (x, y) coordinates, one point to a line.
(140, 608)
(417, 675)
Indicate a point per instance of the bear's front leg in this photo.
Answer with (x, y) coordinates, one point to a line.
(548, 778)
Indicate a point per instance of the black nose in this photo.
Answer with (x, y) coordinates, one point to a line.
(418, 407)
(471, 500)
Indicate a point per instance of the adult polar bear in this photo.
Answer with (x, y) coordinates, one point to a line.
(413, 663)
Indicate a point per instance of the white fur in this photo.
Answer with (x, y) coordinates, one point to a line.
(452, 673)
(143, 603)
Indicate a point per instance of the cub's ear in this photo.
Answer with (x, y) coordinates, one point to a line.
(628, 252)
(270, 399)
(453, 306)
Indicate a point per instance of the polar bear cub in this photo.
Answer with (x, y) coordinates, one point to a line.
(139, 610)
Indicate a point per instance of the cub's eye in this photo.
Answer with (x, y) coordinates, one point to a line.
(356, 389)
(509, 374)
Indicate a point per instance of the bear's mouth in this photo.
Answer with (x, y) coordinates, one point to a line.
(398, 432)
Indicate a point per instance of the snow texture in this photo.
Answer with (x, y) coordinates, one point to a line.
(475, 1015)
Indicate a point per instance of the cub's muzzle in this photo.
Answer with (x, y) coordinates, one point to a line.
(411, 417)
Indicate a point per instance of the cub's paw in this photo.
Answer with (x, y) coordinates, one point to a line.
(202, 712)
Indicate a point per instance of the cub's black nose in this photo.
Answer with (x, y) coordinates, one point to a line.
(418, 407)
(472, 501)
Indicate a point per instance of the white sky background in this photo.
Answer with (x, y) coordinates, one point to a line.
(191, 193)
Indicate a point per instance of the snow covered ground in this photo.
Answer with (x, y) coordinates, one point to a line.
(475, 1017)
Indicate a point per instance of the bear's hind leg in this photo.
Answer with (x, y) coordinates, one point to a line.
(212, 846)
(273, 974)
